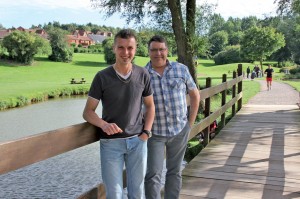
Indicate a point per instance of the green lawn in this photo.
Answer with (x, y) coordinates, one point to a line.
(21, 85)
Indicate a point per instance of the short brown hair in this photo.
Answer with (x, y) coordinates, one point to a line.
(157, 38)
(125, 34)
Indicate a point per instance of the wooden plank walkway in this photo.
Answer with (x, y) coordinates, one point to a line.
(256, 155)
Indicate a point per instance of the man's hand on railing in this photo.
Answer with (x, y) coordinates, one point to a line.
(111, 129)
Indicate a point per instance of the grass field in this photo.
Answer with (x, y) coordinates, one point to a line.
(21, 85)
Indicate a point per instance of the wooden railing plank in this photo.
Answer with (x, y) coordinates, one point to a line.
(197, 128)
(22, 152)
(209, 92)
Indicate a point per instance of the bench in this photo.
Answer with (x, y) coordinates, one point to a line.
(73, 81)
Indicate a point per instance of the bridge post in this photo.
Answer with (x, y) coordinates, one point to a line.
(224, 79)
(207, 113)
(240, 86)
(233, 93)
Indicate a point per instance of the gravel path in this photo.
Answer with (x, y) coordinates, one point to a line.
(280, 94)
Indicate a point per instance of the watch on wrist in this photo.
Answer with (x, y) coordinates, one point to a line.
(149, 133)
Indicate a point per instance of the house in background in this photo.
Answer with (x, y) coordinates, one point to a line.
(87, 38)
(98, 39)
(106, 34)
(82, 37)
(38, 31)
(4, 33)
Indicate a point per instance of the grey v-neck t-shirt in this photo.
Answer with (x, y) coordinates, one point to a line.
(122, 99)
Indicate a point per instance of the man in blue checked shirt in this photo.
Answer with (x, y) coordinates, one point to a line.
(170, 81)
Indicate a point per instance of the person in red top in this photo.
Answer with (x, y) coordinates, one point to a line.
(269, 72)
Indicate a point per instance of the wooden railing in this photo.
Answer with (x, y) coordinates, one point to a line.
(23, 152)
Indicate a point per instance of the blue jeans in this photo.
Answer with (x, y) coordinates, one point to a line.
(114, 153)
(175, 150)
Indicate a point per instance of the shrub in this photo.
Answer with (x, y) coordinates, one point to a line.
(61, 51)
(22, 46)
(3, 105)
(109, 55)
(3, 51)
(294, 71)
(22, 101)
(142, 51)
(230, 55)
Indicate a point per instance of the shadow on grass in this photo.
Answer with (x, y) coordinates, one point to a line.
(208, 64)
(76, 63)
(10, 63)
(90, 63)
(44, 59)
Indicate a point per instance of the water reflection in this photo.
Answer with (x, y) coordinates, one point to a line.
(41, 117)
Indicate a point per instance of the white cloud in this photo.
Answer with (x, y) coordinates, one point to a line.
(244, 8)
(27, 12)
(47, 4)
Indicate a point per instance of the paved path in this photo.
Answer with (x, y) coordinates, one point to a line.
(280, 94)
(256, 155)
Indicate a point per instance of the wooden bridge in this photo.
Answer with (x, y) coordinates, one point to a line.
(256, 155)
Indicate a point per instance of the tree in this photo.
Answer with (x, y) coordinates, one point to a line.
(202, 47)
(109, 54)
(143, 38)
(218, 41)
(249, 22)
(232, 25)
(61, 51)
(204, 15)
(217, 23)
(3, 51)
(286, 7)
(282, 55)
(1, 27)
(295, 42)
(22, 46)
(43, 46)
(235, 38)
(259, 43)
(183, 26)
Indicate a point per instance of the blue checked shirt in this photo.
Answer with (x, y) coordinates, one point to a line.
(170, 98)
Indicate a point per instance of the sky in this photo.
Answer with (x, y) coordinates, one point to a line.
(25, 13)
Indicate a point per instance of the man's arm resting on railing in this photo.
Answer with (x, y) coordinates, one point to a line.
(194, 105)
(90, 115)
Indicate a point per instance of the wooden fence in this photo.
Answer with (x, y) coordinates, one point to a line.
(26, 151)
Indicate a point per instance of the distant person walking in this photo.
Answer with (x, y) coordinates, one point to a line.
(257, 69)
(269, 72)
(253, 74)
(248, 72)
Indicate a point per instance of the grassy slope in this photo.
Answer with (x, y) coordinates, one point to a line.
(45, 75)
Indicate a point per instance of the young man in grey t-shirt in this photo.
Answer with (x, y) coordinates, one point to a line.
(124, 127)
